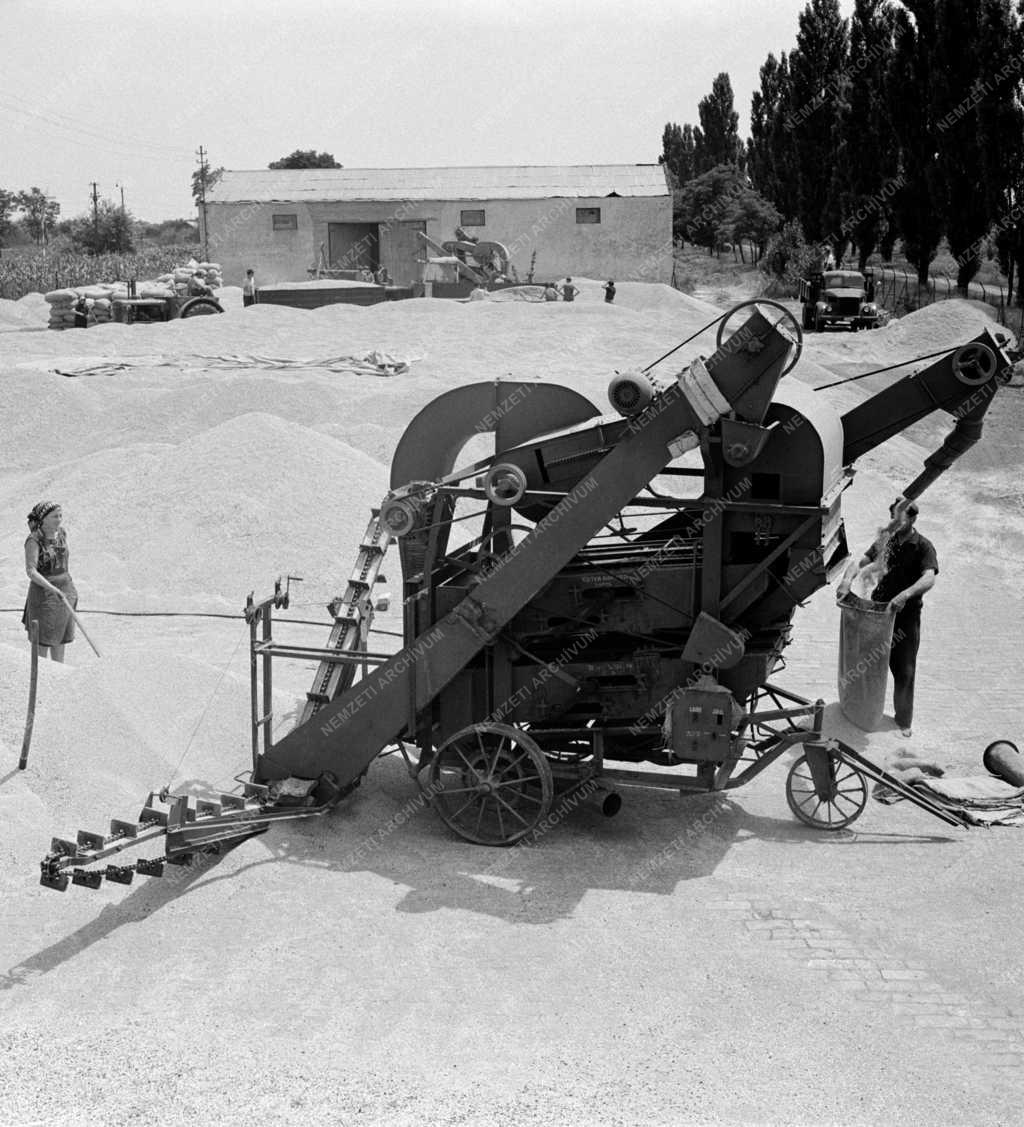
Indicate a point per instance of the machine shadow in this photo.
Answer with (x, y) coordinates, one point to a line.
(658, 841)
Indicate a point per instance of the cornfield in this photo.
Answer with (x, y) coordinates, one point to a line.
(37, 271)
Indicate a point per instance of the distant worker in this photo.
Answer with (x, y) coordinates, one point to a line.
(609, 291)
(569, 291)
(830, 260)
(81, 313)
(910, 569)
(366, 275)
(46, 564)
(478, 293)
(382, 277)
(249, 289)
(550, 292)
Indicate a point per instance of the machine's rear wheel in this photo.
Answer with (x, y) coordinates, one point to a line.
(491, 784)
(828, 795)
(200, 307)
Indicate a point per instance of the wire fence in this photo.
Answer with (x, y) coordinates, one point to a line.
(900, 292)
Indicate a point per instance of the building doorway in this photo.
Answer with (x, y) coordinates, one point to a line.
(353, 246)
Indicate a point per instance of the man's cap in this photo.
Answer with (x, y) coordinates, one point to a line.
(911, 507)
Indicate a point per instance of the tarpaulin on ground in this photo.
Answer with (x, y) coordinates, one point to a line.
(982, 799)
(865, 637)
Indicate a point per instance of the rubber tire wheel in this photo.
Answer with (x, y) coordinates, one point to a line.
(200, 307)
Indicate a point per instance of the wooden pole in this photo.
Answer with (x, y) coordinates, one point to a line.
(34, 680)
(78, 623)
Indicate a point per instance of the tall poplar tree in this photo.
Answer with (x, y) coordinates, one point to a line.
(819, 83)
(869, 159)
(717, 140)
(918, 202)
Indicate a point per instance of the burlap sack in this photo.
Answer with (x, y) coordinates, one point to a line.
(865, 638)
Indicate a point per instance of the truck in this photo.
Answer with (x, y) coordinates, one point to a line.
(838, 297)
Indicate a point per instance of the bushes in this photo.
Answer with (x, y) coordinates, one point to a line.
(37, 271)
(788, 258)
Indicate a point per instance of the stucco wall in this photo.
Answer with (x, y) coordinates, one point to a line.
(633, 241)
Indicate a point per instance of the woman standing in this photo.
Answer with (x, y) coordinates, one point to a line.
(46, 564)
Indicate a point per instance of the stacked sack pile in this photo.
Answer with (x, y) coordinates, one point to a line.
(99, 297)
(97, 304)
(182, 274)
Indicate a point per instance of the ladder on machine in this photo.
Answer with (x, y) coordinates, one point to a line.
(353, 613)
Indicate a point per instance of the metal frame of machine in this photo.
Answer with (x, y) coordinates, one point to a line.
(598, 613)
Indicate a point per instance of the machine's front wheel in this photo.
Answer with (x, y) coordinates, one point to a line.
(824, 792)
(491, 784)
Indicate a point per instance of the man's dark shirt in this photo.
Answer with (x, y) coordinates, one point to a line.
(905, 563)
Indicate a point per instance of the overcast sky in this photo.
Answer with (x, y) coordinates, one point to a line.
(124, 91)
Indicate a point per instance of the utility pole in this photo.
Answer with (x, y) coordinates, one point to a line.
(203, 172)
(95, 219)
(124, 224)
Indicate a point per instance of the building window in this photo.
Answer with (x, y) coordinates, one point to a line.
(286, 222)
(588, 215)
(472, 218)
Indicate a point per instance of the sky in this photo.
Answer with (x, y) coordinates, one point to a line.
(124, 92)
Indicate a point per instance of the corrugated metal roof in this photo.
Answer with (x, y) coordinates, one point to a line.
(310, 185)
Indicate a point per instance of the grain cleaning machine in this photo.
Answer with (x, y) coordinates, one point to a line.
(602, 603)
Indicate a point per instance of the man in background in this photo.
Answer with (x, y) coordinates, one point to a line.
(249, 289)
(569, 291)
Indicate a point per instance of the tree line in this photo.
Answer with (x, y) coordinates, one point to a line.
(109, 228)
(903, 122)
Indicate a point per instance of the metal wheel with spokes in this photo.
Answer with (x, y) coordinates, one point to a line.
(491, 784)
(824, 792)
(762, 305)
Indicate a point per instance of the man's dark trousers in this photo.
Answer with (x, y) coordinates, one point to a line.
(906, 637)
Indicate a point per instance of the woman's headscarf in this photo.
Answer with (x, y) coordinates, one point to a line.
(40, 512)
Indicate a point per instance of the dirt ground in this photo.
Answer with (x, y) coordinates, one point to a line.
(699, 960)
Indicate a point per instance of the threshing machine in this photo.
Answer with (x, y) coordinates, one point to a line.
(600, 593)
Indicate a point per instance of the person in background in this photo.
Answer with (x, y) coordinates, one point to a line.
(550, 291)
(382, 276)
(366, 275)
(609, 291)
(249, 289)
(569, 291)
(197, 286)
(81, 313)
(46, 564)
(478, 292)
(910, 569)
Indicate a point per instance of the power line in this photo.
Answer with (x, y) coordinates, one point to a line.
(75, 125)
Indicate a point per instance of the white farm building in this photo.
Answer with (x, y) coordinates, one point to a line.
(593, 220)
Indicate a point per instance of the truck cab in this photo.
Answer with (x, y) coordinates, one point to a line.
(838, 297)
